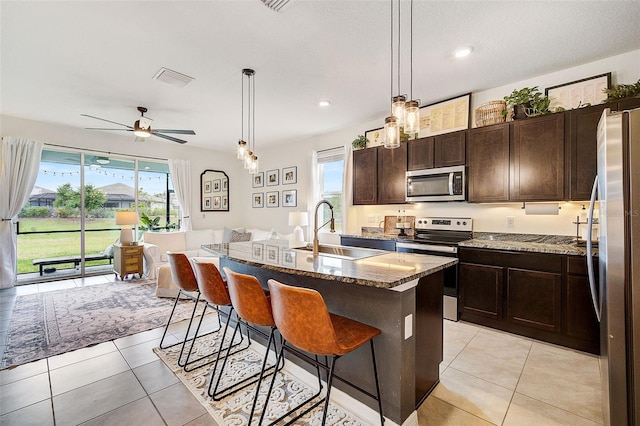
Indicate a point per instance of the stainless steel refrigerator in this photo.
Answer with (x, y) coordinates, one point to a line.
(616, 295)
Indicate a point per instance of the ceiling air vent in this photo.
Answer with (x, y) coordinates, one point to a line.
(173, 78)
(275, 5)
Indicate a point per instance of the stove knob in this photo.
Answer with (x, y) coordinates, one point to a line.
(464, 223)
(458, 223)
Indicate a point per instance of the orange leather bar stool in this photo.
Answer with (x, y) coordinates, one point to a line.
(214, 291)
(305, 323)
(185, 279)
(251, 303)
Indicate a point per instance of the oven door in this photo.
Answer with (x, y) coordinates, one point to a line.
(450, 300)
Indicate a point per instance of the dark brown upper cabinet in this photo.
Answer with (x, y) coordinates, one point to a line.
(437, 151)
(537, 159)
(488, 164)
(365, 176)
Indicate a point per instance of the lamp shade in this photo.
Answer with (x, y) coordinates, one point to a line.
(127, 218)
(298, 218)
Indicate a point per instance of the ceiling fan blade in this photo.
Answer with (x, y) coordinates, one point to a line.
(101, 128)
(108, 121)
(181, 132)
(169, 138)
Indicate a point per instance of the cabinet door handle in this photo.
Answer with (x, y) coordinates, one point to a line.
(451, 183)
(592, 281)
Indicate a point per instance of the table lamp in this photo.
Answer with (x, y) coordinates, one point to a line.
(298, 219)
(126, 219)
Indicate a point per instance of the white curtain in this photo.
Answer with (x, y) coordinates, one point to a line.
(181, 178)
(19, 163)
(347, 193)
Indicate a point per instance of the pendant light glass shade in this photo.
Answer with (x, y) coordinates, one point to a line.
(242, 149)
(412, 117)
(253, 165)
(391, 132)
(247, 160)
(398, 109)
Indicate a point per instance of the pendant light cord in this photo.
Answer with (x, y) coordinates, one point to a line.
(411, 47)
(399, 34)
(242, 109)
(391, 20)
(253, 117)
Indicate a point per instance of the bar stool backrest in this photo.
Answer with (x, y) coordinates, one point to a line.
(211, 284)
(182, 272)
(303, 319)
(249, 299)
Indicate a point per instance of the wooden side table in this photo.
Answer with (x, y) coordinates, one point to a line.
(127, 260)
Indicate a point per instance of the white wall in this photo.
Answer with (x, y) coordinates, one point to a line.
(625, 69)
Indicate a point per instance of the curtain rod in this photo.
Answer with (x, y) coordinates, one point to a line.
(106, 152)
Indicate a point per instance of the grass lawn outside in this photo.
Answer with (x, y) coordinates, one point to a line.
(36, 246)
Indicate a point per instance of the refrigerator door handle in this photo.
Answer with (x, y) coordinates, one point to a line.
(592, 281)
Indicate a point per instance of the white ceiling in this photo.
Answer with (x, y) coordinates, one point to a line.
(64, 58)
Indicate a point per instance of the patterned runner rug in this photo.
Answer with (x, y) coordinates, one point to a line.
(51, 323)
(289, 391)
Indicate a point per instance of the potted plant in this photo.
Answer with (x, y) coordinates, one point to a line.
(527, 102)
(622, 91)
(360, 142)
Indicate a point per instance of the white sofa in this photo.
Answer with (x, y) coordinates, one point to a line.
(157, 244)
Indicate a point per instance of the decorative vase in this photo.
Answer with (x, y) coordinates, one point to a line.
(520, 111)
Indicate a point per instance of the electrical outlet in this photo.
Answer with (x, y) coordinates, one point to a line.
(511, 222)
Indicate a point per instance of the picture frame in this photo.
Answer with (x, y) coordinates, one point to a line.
(217, 203)
(225, 202)
(273, 199)
(375, 137)
(271, 254)
(207, 186)
(225, 184)
(289, 198)
(217, 185)
(258, 180)
(445, 116)
(214, 182)
(289, 258)
(289, 175)
(257, 200)
(273, 177)
(578, 93)
(257, 251)
(207, 203)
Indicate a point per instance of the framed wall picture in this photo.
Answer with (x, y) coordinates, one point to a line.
(225, 185)
(257, 251)
(445, 116)
(258, 180)
(580, 92)
(217, 203)
(273, 199)
(271, 254)
(207, 203)
(257, 200)
(206, 187)
(289, 175)
(375, 137)
(273, 177)
(217, 185)
(225, 202)
(290, 198)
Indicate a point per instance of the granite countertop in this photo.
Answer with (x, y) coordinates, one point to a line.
(385, 270)
(554, 244)
(537, 243)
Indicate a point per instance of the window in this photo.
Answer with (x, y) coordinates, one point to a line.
(329, 176)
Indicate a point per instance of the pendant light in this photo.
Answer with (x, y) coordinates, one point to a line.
(392, 122)
(412, 107)
(246, 149)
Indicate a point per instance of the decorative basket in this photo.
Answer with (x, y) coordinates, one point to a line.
(490, 113)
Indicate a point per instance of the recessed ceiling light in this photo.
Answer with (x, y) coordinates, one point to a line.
(463, 51)
(324, 103)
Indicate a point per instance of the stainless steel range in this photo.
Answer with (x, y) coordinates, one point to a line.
(440, 236)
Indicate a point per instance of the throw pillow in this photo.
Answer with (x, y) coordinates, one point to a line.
(226, 236)
(237, 237)
(273, 235)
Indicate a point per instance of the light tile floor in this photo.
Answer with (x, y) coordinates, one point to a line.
(487, 378)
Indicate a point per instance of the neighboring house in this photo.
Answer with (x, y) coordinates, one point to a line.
(42, 197)
(119, 195)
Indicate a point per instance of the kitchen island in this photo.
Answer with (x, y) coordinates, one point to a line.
(399, 293)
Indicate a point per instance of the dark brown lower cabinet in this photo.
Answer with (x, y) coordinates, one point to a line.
(538, 295)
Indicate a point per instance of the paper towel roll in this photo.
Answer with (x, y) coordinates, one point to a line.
(541, 208)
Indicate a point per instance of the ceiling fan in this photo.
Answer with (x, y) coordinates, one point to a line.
(142, 128)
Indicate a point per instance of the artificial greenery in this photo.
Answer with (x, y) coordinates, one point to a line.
(621, 91)
(359, 142)
(534, 102)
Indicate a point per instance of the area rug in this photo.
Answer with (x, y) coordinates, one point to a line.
(289, 391)
(51, 323)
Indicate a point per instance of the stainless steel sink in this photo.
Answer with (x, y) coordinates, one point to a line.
(343, 252)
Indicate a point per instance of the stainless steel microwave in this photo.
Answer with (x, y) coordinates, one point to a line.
(440, 184)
